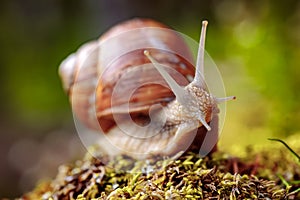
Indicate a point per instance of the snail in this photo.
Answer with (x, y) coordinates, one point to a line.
(137, 86)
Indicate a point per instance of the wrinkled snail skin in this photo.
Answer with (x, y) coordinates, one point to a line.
(187, 114)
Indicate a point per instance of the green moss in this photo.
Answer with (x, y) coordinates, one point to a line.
(266, 174)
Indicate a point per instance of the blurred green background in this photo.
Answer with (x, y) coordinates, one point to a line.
(255, 44)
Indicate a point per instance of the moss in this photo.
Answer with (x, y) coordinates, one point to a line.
(263, 174)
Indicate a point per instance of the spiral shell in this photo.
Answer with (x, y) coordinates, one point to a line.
(80, 72)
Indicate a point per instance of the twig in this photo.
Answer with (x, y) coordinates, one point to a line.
(287, 146)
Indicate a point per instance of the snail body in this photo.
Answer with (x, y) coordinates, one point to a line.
(135, 85)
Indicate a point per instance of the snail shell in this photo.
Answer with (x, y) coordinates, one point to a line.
(120, 86)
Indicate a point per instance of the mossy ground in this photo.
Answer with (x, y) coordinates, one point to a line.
(272, 173)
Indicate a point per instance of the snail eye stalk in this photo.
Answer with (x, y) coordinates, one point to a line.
(179, 91)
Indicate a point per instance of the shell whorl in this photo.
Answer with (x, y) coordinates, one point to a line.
(90, 75)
